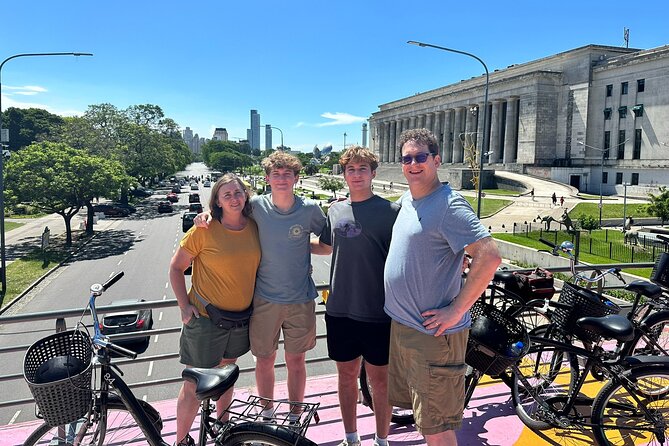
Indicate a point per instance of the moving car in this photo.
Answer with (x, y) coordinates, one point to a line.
(176, 189)
(172, 197)
(194, 198)
(111, 210)
(194, 186)
(195, 207)
(127, 321)
(207, 183)
(187, 220)
(165, 206)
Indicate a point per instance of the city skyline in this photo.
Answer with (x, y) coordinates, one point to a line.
(309, 69)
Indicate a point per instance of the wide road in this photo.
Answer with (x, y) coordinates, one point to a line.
(141, 246)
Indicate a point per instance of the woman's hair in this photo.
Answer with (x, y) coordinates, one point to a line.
(216, 210)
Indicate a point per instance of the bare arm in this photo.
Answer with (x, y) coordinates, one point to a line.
(180, 261)
(485, 260)
(320, 248)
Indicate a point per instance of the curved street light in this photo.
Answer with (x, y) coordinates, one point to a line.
(3, 269)
(484, 148)
(280, 131)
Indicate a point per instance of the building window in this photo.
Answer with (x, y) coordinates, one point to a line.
(621, 144)
(623, 88)
(607, 143)
(607, 113)
(609, 90)
(635, 179)
(640, 85)
(619, 178)
(636, 154)
(605, 177)
(622, 111)
(638, 110)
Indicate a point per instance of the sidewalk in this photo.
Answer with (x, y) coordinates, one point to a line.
(490, 420)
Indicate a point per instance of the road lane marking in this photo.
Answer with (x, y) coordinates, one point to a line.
(150, 368)
(111, 274)
(119, 262)
(155, 339)
(144, 398)
(326, 263)
(160, 316)
(167, 285)
(16, 415)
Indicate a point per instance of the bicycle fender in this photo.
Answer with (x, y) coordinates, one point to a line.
(654, 318)
(650, 361)
(274, 430)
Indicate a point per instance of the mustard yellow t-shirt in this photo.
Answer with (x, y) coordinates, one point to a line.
(225, 265)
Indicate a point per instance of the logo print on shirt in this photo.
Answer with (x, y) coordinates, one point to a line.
(296, 232)
(348, 228)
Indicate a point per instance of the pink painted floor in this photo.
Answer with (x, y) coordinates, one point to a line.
(490, 420)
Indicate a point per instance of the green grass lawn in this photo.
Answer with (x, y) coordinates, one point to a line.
(488, 206)
(9, 225)
(613, 210)
(506, 192)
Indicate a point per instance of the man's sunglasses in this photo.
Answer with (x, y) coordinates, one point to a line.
(420, 158)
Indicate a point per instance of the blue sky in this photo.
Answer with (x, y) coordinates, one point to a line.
(314, 69)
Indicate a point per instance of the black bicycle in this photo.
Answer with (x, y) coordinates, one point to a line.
(84, 401)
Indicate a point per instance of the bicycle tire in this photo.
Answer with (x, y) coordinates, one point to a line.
(614, 407)
(400, 416)
(263, 434)
(652, 337)
(544, 368)
(93, 431)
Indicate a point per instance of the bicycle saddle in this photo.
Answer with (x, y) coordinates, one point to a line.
(211, 383)
(504, 277)
(645, 288)
(612, 326)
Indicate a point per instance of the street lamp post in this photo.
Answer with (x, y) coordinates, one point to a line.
(484, 148)
(344, 148)
(280, 131)
(624, 204)
(3, 269)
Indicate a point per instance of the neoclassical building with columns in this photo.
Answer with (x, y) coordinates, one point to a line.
(591, 115)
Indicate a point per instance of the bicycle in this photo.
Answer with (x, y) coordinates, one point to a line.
(80, 409)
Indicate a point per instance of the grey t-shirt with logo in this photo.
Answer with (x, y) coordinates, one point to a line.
(284, 272)
(359, 234)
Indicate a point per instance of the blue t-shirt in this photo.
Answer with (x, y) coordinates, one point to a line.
(424, 264)
(284, 273)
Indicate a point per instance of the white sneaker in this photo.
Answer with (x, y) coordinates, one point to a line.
(349, 443)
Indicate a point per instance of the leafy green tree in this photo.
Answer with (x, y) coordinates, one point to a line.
(311, 169)
(659, 204)
(59, 179)
(30, 125)
(332, 159)
(588, 222)
(331, 184)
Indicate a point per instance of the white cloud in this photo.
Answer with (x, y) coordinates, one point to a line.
(26, 93)
(8, 101)
(339, 118)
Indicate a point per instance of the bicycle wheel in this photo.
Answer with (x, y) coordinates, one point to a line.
(652, 337)
(638, 415)
(399, 415)
(263, 434)
(544, 374)
(114, 426)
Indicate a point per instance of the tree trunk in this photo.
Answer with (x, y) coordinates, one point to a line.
(90, 218)
(68, 229)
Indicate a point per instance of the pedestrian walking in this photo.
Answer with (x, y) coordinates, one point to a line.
(532, 194)
(554, 198)
(561, 202)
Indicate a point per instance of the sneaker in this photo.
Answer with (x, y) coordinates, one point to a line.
(349, 443)
(186, 441)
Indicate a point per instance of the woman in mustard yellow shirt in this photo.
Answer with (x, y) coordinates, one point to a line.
(225, 259)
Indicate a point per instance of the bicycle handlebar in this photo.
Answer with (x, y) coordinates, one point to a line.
(112, 281)
(116, 348)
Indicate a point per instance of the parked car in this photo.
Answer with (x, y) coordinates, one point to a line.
(111, 210)
(127, 206)
(172, 197)
(128, 321)
(195, 207)
(164, 207)
(141, 192)
(194, 198)
(187, 220)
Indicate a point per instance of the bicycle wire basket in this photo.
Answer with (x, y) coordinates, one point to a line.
(660, 274)
(490, 337)
(62, 394)
(580, 302)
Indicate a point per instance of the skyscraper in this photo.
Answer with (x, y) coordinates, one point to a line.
(220, 134)
(255, 130)
(268, 136)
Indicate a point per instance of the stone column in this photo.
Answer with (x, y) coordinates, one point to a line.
(446, 143)
(470, 127)
(457, 129)
(495, 124)
(511, 135)
(429, 118)
(391, 139)
(421, 122)
(412, 122)
(398, 132)
(381, 141)
(386, 146)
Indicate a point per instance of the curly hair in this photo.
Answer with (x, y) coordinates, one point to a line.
(358, 154)
(281, 160)
(216, 210)
(420, 137)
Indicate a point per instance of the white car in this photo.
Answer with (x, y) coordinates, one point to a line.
(207, 183)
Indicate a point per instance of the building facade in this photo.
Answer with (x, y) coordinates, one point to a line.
(220, 134)
(268, 136)
(557, 117)
(253, 134)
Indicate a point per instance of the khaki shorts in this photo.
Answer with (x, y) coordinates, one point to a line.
(297, 321)
(203, 344)
(427, 374)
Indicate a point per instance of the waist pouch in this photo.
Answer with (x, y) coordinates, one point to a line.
(223, 318)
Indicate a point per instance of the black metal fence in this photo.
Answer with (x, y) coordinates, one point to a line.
(613, 246)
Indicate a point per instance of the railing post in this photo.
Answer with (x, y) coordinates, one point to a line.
(60, 325)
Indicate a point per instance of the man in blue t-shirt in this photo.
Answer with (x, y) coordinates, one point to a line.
(357, 233)
(425, 297)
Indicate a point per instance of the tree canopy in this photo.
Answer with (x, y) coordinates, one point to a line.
(30, 125)
(659, 204)
(331, 184)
